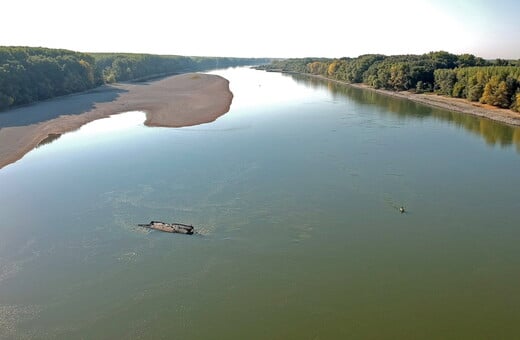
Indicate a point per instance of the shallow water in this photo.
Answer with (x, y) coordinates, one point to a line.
(295, 194)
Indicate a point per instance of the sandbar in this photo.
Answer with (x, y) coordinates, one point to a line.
(175, 101)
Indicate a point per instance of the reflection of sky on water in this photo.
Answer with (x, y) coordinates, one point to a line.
(115, 123)
(99, 132)
(253, 89)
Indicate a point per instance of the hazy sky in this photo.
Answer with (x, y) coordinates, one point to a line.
(269, 28)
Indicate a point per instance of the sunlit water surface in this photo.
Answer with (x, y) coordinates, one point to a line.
(295, 195)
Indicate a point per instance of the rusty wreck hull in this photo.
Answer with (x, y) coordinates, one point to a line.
(178, 228)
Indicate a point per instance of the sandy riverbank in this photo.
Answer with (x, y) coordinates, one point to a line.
(176, 101)
(453, 104)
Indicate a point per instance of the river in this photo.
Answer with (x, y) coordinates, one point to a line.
(295, 195)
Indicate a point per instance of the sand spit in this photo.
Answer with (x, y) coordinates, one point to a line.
(176, 101)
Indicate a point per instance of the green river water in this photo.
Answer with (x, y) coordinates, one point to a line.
(295, 195)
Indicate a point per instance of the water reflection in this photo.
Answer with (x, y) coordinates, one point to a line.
(101, 131)
(112, 124)
(493, 133)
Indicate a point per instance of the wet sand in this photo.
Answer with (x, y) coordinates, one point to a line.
(176, 101)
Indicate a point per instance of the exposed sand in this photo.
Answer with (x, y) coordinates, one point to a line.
(182, 100)
(452, 104)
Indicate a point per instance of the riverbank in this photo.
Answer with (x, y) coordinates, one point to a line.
(176, 101)
(452, 104)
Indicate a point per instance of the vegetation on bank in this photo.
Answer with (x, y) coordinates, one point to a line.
(29, 74)
(128, 66)
(463, 76)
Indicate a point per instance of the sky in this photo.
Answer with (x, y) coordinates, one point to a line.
(269, 28)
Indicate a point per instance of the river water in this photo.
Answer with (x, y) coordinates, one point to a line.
(295, 195)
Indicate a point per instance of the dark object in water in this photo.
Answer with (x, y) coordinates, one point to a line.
(169, 227)
(401, 210)
(51, 137)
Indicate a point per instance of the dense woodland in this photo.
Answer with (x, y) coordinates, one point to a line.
(463, 76)
(29, 74)
(127, 66)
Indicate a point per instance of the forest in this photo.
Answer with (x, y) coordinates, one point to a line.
(128, 66)
(29, 74)
(466, 76)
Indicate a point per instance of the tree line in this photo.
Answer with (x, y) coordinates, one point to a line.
(494, 85)
(128, 66)
(29, 74)
(463, 76)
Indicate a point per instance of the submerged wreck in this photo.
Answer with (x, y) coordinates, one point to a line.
(169, 227)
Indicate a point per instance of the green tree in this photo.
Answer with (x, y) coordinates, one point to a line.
(445, 80)
(400, 77)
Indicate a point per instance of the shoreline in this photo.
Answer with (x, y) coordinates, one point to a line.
(438, 101)
(175, 101)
